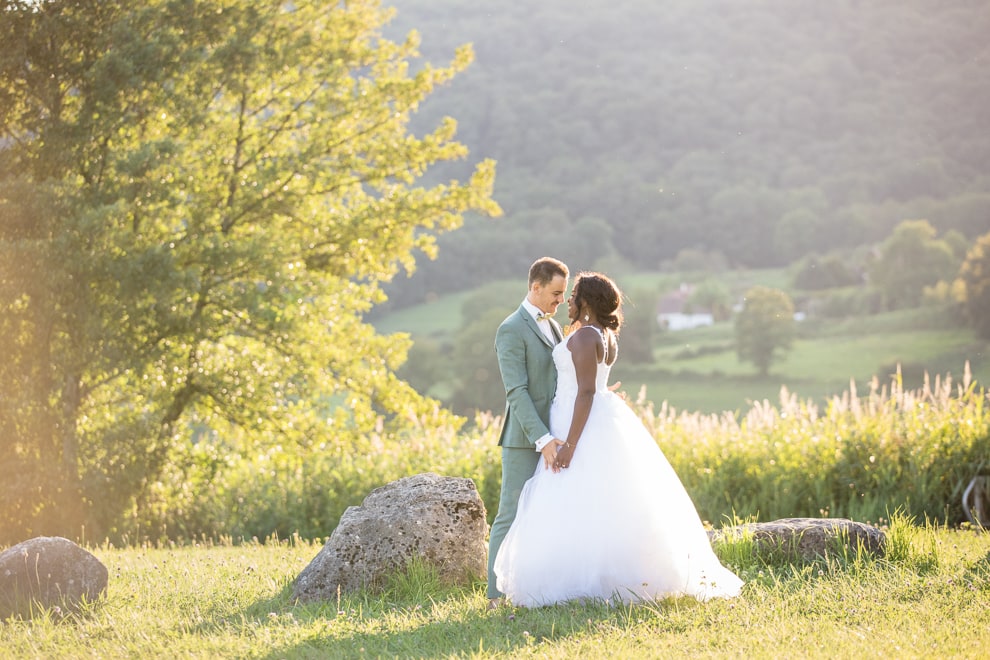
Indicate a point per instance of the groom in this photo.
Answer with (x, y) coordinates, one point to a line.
(524, 343)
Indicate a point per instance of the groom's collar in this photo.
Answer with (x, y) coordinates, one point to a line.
(533, 310)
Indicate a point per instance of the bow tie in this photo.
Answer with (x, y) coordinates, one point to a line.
(543, 317)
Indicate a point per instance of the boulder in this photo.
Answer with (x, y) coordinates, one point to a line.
(807, 539)
(47, 572)
(439, 520)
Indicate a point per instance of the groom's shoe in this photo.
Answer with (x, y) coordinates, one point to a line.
(495, 603)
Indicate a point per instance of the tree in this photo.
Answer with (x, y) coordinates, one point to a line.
(975, 278)
(765, 327)
(639, 326)
(713, 295)
(743, 216)
(198, 204)
(818, 273)
(910, 259)
(477, 381)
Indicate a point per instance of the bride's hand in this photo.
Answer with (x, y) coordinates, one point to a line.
(615, 386)
(565, 452)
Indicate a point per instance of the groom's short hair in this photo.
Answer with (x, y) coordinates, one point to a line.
(545, 269)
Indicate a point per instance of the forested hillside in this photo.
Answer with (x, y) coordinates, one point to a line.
(630, 130)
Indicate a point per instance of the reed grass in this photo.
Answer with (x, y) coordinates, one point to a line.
(857, 456)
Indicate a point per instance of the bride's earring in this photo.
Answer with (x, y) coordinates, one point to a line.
(586, 317)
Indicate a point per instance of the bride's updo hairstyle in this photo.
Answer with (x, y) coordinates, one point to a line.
(604, 298)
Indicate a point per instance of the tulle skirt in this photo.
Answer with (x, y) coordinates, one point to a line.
(616, 525)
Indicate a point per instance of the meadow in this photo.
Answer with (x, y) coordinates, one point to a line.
(697, 370)
(930, 596)
(896, 451)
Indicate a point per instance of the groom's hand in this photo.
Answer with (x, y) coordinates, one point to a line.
(549, 452)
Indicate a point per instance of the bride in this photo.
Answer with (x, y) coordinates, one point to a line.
(608, 519)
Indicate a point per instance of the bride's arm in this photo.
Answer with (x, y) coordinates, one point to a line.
(584, 347)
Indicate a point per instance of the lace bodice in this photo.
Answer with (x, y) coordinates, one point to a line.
(566, 374)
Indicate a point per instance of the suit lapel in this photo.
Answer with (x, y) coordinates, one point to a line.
(531, 323)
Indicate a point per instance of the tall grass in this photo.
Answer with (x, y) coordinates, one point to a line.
(856, 457)
(296, 490)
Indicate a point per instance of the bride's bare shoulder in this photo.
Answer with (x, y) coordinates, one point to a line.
(585, 341)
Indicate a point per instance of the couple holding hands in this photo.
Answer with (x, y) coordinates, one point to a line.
(590, 508)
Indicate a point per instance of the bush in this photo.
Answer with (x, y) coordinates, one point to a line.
(848, 302)
(824, 273)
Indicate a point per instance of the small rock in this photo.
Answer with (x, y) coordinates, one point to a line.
(48, 572)
(807, 539)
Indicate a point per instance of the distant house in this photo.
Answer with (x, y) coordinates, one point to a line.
(674, 313)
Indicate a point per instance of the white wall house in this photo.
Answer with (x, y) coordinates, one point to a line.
(673, 312)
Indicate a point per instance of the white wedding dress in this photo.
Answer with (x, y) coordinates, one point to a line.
(616, 525)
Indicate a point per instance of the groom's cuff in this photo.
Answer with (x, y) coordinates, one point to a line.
(542, 442)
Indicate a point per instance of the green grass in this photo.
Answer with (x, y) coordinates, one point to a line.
(840, 358)
(436, 318)
(697, 370)
(693, 393)
(930, 598)
(816, 368)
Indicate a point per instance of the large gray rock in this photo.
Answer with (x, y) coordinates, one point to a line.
(441, 520)
(47, 572)
(807, 539)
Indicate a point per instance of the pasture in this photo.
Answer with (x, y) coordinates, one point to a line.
(930, 597)
(698, 370)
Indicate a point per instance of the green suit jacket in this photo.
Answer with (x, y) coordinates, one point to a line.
(529, 376)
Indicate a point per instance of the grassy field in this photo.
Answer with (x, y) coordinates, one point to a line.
(442, 316)
(438, 318)
(698, 370)
(929, 598)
